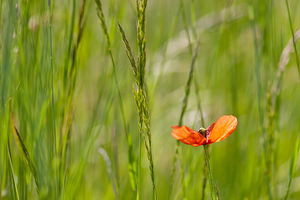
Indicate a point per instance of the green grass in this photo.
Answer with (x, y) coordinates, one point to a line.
(90, 89)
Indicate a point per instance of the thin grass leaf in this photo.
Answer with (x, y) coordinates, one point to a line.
(66, 67)
(54, 149)
(284, 60)
(183, 109)
(24, 150)
(190, 46)
(273, 96)
(140, 93)
(206, 166)
(259, 97)
(293, 166)
(70, 87)
(15, 187)
(131, 166)
(7, 42)
(257, 66)
(109, 170)
(128, 50)
(75, 177)
(293, 36)
(183, 15)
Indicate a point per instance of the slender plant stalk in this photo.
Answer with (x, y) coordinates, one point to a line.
(183, 16)
(67, 60)
(284, 60)
(8, 26)
(270, 139)
(272, 98)
(140, 93)
(131, 166)
(293, 36)
(272, 101)
(183, 109)
(70, 84)
(206, 166)
(274, 95)
(259, 99)
(128, 52)
(52, 97)
(133, 172)
(15, 187)
(293, 167)
(257, 67)
(109, 170)
(205, 148)
(23, 148)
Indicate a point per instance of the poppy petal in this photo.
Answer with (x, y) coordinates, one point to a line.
(188, 136)
(223, 128)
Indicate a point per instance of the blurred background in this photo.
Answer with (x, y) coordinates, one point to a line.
(62, 131)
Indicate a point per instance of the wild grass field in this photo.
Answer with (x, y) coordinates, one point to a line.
(90, 89)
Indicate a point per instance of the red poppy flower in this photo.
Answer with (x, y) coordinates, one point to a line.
(216, 132)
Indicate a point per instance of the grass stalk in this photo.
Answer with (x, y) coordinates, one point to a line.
(190, 46)
(205, 169)
(131, 166)
(206, 166)
(128, 51)
(109, 170)
(284, 60)
(134, 173)
(23, 149)
(70, 83)
(186, 29)
(13, 176)
(70, 41)
(293, 167)
(259, 100)
(293, 36)
(140, 93)
(273, 98)
(183, 109)
(54, 151)
(65, 101)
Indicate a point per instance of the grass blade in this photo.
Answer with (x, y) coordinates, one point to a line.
(66, 68)
(140, 93)
(284, 60)
(293, 35)
(259, 98)
(206, 166)
(109, 170)
(70, 77)
(131, 166)
(183, 109)
(54, 148)
(293, 166)
(128, 50)
(15, 187)
(23, 148)
(134, 175)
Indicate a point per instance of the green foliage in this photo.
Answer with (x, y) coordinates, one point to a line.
(90, 89)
